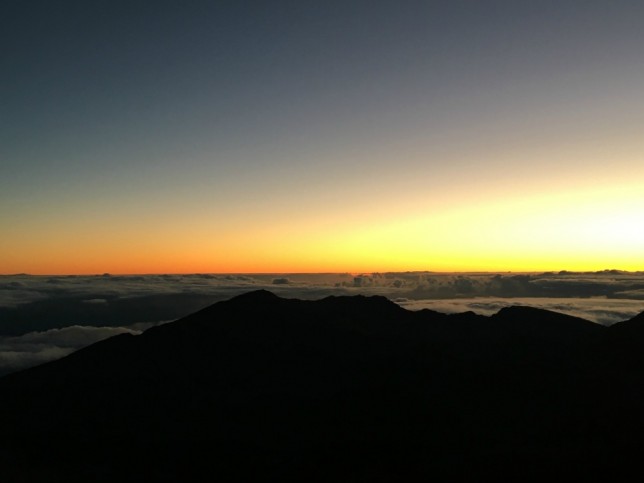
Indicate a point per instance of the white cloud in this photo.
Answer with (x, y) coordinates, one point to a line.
(631, 294)
(38, 347)
(15, 360)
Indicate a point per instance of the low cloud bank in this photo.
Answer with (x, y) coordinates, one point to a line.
(35, 348)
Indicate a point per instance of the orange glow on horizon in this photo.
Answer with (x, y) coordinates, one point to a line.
(582, 230)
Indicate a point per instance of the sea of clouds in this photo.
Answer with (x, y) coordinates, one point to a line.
(43, 318)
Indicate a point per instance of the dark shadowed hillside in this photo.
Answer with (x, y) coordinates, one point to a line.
(344, 389)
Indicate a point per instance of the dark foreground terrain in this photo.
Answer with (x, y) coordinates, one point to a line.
(344, 389)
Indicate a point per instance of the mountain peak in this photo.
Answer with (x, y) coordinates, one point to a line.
(255, 296)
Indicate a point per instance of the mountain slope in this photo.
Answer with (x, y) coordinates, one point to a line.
(260, 388)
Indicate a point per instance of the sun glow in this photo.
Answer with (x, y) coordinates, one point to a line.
(582, 229)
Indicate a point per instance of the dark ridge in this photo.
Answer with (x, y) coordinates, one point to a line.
(256, 296)
(624, 344)
(545, 322)
(634, 324)
(521, 312)
(374, 304)
(260, 388)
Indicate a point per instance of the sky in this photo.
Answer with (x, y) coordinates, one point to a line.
(353, 136)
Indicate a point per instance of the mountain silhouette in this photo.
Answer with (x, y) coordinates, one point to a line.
(260, 388)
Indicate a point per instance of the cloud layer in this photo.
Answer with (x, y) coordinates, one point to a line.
(35, 348)
(44, 318)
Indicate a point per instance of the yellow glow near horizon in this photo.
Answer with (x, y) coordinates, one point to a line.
(586, 229)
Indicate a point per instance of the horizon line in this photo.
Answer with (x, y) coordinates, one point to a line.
(344, 272)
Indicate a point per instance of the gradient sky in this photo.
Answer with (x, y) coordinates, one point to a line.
(247, 136)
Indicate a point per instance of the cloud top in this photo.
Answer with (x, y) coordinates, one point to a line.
(35, 348)
(43, 318)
